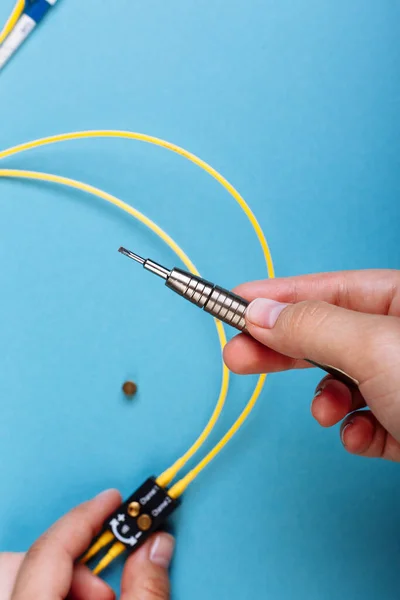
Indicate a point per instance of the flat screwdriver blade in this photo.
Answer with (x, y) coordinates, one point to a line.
(132, 255)
(148, 264)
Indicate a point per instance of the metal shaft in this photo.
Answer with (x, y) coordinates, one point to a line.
(217, 301)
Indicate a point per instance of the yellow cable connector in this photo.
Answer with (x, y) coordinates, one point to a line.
(101, 543)
(116, 550)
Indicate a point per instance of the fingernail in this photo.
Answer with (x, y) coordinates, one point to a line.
(320, 388)
(264, 313)
(347, 426)
(322, 384)
(334, 386)
(317, 393)
(162, 550)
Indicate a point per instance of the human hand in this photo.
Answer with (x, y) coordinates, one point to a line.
(349, 320)
(48, 571)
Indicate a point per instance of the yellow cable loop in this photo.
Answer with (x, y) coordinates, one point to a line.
(170, 473)
(164, 144)
(12, 20)
(177, 490)
(13, 173)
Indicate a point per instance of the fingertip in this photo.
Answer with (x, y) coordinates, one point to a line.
(238, 353)
(257, 289)
(103, 504)
(243, 355)
(331, 403)
(247, 290)
(327, 411)
(228, 354)
(158, 550)
(154, 557)
(86, 586)
(109, 496)
(357, 434)
(162, 550)
(318, 410)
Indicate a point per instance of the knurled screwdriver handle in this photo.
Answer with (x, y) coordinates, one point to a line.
(218, 302)
(228, 308)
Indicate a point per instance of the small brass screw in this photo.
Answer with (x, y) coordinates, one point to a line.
(144, 522)
(134, 509)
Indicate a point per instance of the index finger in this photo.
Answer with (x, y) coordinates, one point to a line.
(47, 570)
(369, 291)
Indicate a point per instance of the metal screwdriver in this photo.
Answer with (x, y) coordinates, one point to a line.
(217, 301)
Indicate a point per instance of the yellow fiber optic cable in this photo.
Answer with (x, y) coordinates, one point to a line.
(164, 144)
(176, 490)
(168, 475)
(12, 20)
(13, 173)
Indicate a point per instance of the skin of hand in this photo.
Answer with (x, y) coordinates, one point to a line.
(350, 320)
(48, 570)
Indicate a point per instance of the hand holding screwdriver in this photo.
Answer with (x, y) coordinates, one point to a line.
(222, 304)
(349, 319)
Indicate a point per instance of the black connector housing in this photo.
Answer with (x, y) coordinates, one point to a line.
(143, 513)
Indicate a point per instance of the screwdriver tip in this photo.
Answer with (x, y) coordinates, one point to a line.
(131, 255)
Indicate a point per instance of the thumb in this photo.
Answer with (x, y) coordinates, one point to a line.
(146, 572)
(351, 341)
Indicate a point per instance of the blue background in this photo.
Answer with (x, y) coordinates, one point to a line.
(297, 103)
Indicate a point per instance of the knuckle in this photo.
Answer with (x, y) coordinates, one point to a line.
(37, 547)
(305, 316)
(44, 546)
(154, 587)
(79, 520)
(80, 513)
